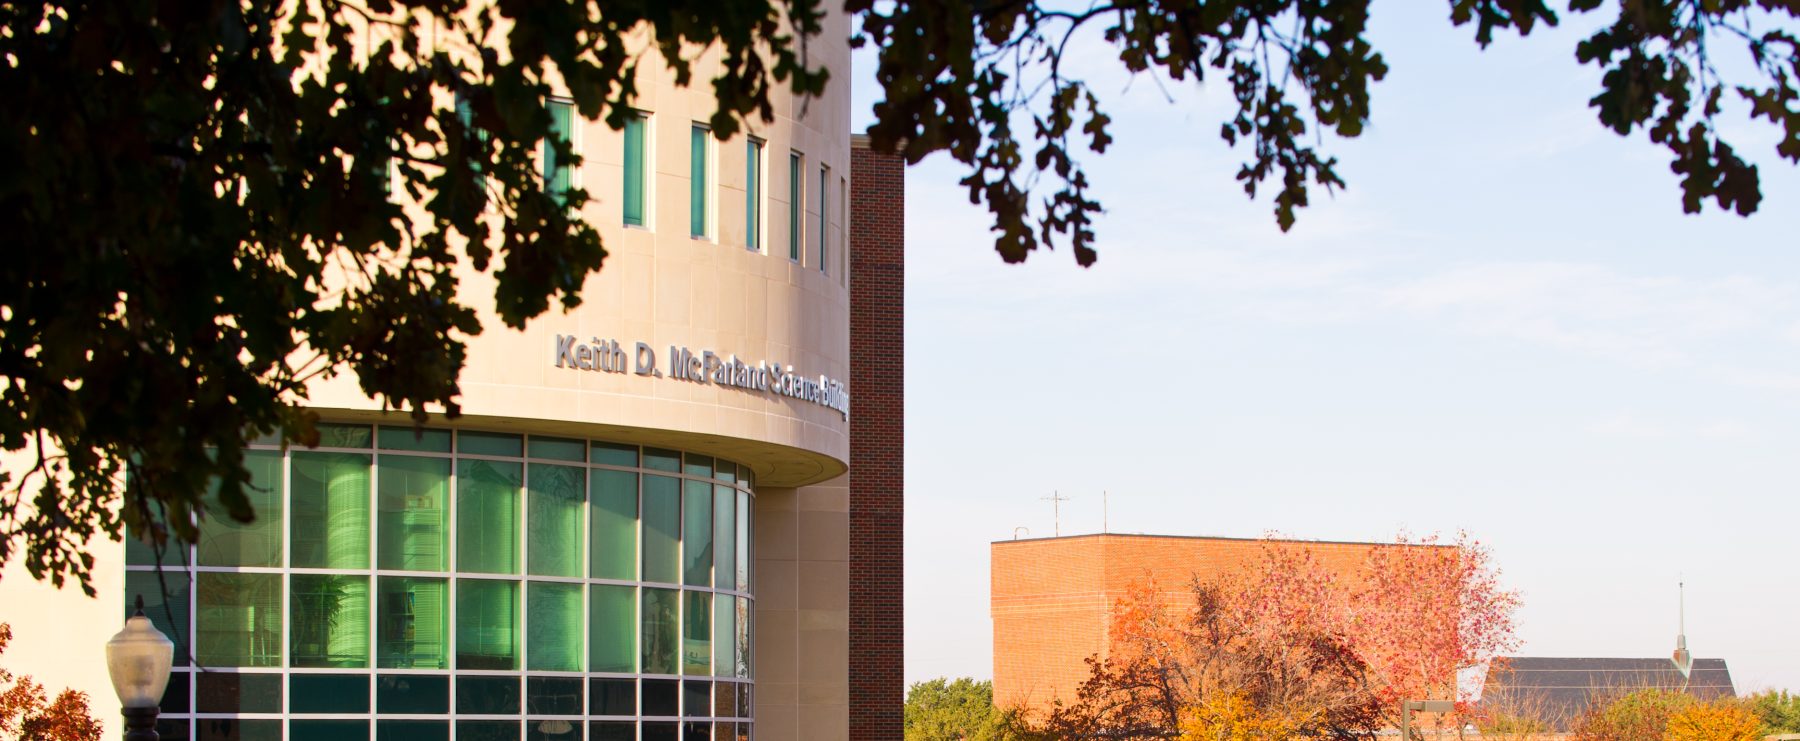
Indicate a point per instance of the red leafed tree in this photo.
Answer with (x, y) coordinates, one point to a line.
(1424, 610)
(1313, 651)
(1271, 638)
(27, 714)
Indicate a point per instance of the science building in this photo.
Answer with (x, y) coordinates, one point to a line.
(646, 521)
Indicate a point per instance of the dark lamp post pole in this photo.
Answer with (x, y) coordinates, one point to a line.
(138, 658)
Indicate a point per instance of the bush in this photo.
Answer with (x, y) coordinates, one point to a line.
(1719, 720)
(960, 710)
(1232, 717)
(1641, 715)
(1668, 715)
(1778, 711)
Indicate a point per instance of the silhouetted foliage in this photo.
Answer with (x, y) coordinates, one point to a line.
(199, 221)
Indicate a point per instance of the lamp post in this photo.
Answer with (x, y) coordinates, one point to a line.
(138, 659)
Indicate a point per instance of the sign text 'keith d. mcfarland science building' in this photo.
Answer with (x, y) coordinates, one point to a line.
(706, 367)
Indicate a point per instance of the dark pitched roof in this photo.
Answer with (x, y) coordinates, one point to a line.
(1559, 689)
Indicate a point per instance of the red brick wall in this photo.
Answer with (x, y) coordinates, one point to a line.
(877, 442)
(1049, 603)
(1050, 598)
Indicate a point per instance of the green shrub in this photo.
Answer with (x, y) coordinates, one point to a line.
(1778, 711)
(1640, 715)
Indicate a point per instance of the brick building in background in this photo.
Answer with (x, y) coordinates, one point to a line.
(1051, 598)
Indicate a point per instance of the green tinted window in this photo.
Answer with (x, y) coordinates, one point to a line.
(795, 197)
(661, 613)
(487, 516)
(635, 168)
(330, 624)
(555, 499)
(699, 177)
(328, 693)
(696, 533)
(696, 634)
(553, 696)
(240, 729)
(238, 620)
(414, 513)
(559, 449)
(236, 692)
(662, 526)
(615, 455)
(612, 629)
(490, 443)
(557, 167)
(227, 542)
(742, 644)
(724, 535)
(553, 629)
(697, 465)
(141, 553)
(743, 541)
(412, 730)
(487, 624)
(723, 633)
(753, 154)
(489, 730)
(412, 623)
(824, 213)
(405, 438)
(331, 510)
(327, 730)
(614, 528)
(412, 694)
(343, 436)
(662, 460)
(145, 584)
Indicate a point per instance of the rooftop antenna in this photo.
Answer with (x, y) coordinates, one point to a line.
(1103, 524)
(1684, 661)
(1056, 501)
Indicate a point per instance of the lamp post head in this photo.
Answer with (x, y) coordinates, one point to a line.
(138, 659)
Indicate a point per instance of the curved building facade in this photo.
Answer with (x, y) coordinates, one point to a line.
(502, 584)
(639, 527)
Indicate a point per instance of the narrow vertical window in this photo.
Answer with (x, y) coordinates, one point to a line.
(796, 189)
(634, 170)
(753, 154)
(381, 167)
(699, 166)
(557, 176)
(824, 212)
(465, 113)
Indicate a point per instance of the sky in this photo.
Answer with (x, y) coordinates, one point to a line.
(1505, 325)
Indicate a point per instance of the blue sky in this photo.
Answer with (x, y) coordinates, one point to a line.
(1504, 325)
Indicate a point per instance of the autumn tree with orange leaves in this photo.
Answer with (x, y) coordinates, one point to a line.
(1286, 647)
(1424, 610)
(27, 714)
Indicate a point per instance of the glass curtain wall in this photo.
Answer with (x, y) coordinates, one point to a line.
(447, 584)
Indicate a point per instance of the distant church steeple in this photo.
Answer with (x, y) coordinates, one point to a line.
(1684, 661)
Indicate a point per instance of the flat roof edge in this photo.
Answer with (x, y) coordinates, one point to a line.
(1234, 539)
